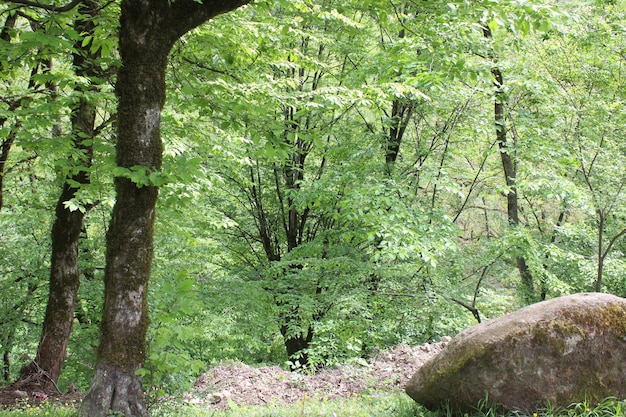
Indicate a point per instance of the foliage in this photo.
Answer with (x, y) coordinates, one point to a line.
(279, 213)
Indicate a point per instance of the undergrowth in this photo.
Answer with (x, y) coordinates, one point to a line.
(373, 405)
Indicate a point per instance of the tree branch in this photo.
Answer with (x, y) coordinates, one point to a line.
(48, 7)
(471, 308)
(188, 14)
(612, 242)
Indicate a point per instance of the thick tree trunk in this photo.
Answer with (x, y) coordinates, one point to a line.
(141, 91)
(148, 30)
(116, 389)
(296, 345)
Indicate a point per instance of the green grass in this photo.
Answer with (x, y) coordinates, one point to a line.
(43, 410)
(379, 405)
(375, 405)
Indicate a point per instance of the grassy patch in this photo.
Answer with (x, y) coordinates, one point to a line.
(379, 405)
(44, 410)
(376, 405)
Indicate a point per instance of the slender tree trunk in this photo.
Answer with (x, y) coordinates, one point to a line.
(509, 167)
(293, 173)
(602, 250)
(5, 147)
(45, 369)
(401, 111)
(600, 269)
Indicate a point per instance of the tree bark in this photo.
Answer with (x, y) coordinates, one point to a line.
(148, 30)
(509, 168)
(44, 371)
(296, 345)
(141, 91)
(5, 147)
(401, 111)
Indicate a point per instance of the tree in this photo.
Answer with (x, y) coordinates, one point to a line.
(45, 369)
(275, 175)
(509, 163)
(304, 184)
(589, 87)
(148, 30)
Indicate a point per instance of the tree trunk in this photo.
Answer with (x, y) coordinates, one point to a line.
(401, 111)
(604, 251)
(44, 371)
(115, 389)
(296, 345)
(5, 147)
(509, 168)
(4, 156)
(141, 91)
(148, 30)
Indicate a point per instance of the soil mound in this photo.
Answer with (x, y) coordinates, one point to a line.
(247, 385)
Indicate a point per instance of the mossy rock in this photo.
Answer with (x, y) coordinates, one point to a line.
(565, 350)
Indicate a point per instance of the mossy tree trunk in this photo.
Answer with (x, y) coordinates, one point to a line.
(148, 30)
(44, 371)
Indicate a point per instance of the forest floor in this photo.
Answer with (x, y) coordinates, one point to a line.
(247, 385)
(243, 385)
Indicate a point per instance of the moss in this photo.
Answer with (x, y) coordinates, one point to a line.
(544, 336)
(614, 316)
(461, 360)
(611, 316)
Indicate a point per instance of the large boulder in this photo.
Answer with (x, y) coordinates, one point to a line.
(565, 350)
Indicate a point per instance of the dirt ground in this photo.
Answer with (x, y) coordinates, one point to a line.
(32, 395)
(247, 385)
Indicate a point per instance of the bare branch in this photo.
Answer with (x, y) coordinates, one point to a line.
(612, 242)
(471, 308)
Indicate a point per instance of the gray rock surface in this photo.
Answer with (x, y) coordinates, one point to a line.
(564, 350)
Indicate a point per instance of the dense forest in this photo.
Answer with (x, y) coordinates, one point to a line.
(334, 177)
